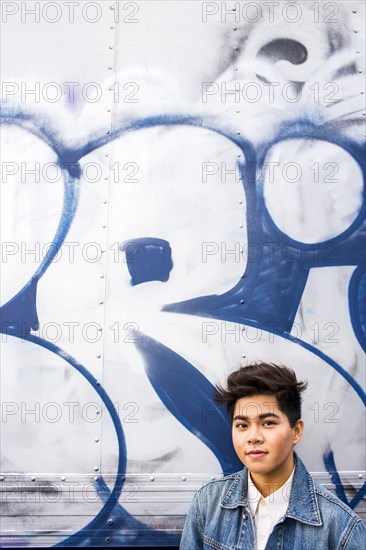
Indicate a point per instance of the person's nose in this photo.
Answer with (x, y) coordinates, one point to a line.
(254, 434)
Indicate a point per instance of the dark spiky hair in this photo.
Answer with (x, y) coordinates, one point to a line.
(266, 379)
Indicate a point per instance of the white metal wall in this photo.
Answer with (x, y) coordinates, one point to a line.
(182, 192)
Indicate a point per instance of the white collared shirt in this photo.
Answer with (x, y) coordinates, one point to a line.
(267, 511)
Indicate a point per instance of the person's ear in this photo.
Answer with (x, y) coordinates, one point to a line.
(298, 431)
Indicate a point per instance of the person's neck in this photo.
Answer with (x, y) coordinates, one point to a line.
(271, 482)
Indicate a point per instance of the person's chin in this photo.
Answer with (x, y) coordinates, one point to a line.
(257, 468)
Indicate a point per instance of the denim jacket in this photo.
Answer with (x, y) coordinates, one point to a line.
(220, 518)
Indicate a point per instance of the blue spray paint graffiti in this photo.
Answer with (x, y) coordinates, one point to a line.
(148, 259)
(267, 297)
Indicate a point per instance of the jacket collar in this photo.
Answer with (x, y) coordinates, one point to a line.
(303, 505)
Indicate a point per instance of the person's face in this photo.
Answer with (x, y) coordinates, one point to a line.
(263, 437)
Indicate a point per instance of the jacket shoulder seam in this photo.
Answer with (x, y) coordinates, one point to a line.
(351, 527)
(223, 479)
(320, 491)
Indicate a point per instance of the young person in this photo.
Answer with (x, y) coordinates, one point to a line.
(273, 503)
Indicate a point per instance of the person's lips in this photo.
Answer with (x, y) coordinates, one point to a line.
(257, 453)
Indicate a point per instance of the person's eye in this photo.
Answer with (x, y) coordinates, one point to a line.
(269, 423)
(241, 425)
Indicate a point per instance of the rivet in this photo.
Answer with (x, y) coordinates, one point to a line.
(111, 47)
(101, 303)
(96, 440)
(242, 301)
(98, 384)
(241, 250)
(97, 412)
(99, 356)
(362, 93)
(106, 154)
(354, 11)
(104, 225)
(107, 132)
(2, 478)
(360, 476)
(96, 478)
(238, 133)
(331, 476)
(102, 276)
(233, 9)
(111, 27)
(111, 7)
(108, 539)
(184, 478)
(243, 355)
(235, 48)
(241, 226)
(110, 67)
(152, 478)
(63, 478)
(238, 111)
(104, 202)
(96, 469)
(236, 68)
(355, 31)
(33, 479)
(108, 110)
(100, 329)
(110, 522)
(357, 51)
(235, 28)
(212, 477)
